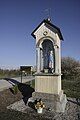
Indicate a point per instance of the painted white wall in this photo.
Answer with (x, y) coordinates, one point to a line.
(40, 37)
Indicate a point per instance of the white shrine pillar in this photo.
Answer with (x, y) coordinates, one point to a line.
(41, 57)
(38, 60)
(56, 59)
(48, 83)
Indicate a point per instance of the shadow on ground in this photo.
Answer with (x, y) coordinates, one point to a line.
(75, 102)
(25, 89)
(12, 81)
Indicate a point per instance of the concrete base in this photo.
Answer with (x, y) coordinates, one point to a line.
(48, 83)
(55, 102)
(48, 88)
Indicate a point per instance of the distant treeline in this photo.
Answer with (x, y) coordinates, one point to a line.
(70, 69)
(9, 73)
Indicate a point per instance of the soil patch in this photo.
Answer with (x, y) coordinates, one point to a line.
(7, 98)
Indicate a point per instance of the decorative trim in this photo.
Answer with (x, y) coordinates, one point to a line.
(45, 33)
(47, 74)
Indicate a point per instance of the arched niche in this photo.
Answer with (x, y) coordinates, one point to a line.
(46, 56)
(40, 41)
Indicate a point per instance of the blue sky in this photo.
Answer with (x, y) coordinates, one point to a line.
(18, 18)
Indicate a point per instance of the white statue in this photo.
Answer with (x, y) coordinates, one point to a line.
(51, 62)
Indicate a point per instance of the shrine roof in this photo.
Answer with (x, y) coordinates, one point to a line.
(52, 27)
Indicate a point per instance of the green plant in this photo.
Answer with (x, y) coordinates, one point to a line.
(31, 83)
(71, 88)
(15, 89)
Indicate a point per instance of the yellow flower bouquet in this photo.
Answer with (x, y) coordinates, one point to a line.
(39, 105)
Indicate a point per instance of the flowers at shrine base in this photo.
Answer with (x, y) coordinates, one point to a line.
(39, 105)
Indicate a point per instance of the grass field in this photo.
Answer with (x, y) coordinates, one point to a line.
(71, 88)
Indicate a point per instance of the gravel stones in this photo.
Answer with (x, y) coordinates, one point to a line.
(72, 111)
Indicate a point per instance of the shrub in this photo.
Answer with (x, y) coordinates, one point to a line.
(15, 89)
(70, 68)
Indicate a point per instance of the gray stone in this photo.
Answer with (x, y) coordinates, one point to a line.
(53, 101)
(72, 111)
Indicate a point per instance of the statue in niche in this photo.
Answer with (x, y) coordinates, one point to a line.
(51, 62)
(48, 55)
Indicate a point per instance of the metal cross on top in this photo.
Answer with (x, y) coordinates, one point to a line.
(47, 13)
